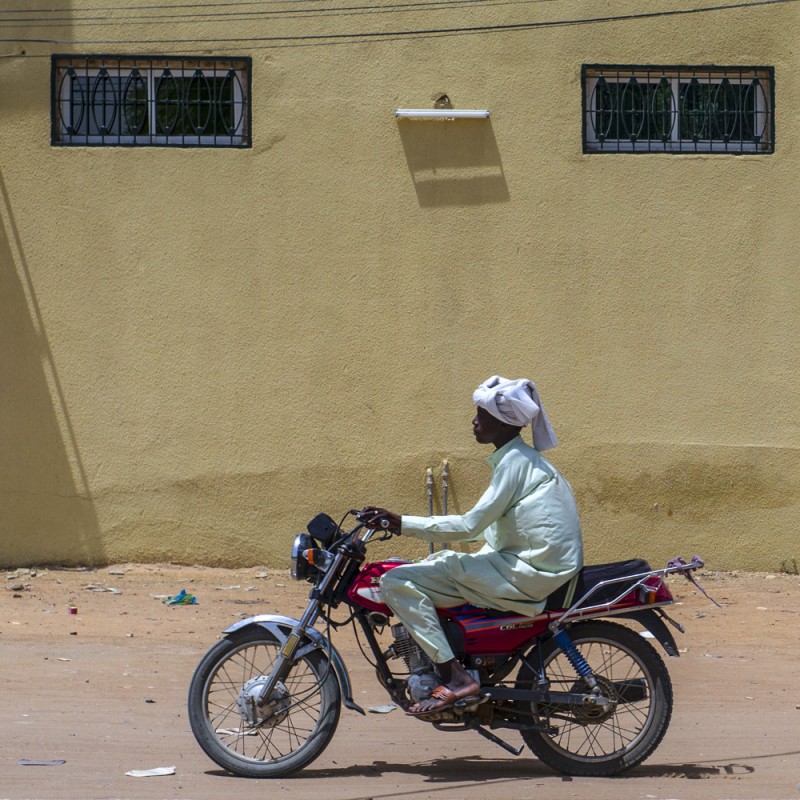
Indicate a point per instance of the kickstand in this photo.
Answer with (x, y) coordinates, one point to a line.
(515, 751)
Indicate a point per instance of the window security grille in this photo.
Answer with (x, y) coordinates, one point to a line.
(151, 101)
(636, 109)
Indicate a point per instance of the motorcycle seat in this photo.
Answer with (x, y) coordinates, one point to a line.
(587, 578)
(591, 576)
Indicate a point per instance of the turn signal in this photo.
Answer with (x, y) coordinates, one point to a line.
(319, 558)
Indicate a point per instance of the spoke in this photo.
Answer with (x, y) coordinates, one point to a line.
(248, 663)
(614, 660)
(264, 746)
(633, 731)
(222, 712)
(592, 746)
(294, 731)
(635, 712)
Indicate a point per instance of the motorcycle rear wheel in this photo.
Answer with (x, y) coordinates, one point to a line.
(298, 723)
(588, 740)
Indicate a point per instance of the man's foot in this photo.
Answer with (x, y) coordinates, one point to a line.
(444, 697)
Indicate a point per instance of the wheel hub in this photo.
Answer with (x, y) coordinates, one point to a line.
(594, 714)
(273, 712)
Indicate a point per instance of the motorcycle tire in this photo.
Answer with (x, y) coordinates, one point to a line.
(296, 724)
(593, 741)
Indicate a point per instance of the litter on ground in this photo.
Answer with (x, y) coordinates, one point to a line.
(181, 599)
(151, 773)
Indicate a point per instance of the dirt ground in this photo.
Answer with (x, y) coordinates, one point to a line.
(104, 690)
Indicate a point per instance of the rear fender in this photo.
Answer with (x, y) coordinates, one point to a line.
(649, 620)
(280, 627)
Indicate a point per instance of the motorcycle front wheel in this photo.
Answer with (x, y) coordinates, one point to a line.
(592, 740)
(294, 725)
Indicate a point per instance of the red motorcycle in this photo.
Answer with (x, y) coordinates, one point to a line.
(589, 697)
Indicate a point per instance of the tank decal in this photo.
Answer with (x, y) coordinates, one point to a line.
(371, 593)
(474, 619)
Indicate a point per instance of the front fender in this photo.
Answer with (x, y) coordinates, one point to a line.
(281, 627)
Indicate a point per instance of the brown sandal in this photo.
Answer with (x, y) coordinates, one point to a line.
(447, 700)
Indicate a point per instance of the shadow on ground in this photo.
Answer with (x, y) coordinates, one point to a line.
(479, 769)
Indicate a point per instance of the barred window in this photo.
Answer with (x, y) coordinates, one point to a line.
(635, 109)
(151, 101)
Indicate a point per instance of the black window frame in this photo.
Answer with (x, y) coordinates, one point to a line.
(114, 100)
(677, 120)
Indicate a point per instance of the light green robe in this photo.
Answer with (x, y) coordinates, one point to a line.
(529, 522)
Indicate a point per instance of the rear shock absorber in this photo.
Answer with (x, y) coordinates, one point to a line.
(578, 662)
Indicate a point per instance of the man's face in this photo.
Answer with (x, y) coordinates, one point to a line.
(487, 428)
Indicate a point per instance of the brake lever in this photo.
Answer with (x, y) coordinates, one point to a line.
(384, 522)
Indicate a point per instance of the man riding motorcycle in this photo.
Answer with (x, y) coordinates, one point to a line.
(527, 519)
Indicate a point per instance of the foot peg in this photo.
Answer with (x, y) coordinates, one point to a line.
(469, 703)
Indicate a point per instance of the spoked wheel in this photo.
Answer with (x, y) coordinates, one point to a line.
(596, 740)
(292, 728)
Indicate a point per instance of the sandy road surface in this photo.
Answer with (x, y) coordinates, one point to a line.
(104, 690)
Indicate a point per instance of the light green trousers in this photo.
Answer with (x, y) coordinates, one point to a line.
(447, 579)
(413, 592)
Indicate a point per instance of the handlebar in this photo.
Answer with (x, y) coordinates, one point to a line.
(383, 534)
(383, 523)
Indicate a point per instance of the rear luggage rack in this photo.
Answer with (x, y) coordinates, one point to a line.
(648, 595)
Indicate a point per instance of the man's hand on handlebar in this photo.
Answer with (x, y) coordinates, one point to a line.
(375, 517)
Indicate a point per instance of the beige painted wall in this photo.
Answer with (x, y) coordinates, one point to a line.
(200, 349)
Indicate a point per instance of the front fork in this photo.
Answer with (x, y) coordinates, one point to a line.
(252, 699)
(285, 660)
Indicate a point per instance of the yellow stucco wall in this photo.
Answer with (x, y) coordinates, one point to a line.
(200, 349)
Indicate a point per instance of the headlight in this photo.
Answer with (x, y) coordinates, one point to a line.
(300, 566)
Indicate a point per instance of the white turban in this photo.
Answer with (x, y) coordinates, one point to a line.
(516, 403)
